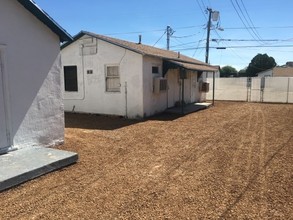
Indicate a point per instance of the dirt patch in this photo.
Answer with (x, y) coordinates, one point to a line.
(232, 161)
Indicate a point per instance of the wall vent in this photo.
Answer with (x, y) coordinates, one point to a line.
(160, 84)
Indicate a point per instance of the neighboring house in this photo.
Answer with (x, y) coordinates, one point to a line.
(31, 109)
(278, 71)
(265, 73)
(105, 75)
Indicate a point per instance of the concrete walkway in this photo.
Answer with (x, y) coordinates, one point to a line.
(22, 165)
(189, 108)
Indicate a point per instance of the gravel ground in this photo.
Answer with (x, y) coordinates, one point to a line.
(231, 161)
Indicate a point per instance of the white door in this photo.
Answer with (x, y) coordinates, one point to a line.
(173, 88)
(3, 123)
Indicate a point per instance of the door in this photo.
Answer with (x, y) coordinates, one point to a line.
(173, 88)
(4, 142)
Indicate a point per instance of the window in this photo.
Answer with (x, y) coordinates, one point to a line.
(155, 69)
(89, 71)
(70, 78)
(112, 79)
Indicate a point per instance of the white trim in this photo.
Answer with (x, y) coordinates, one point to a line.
(6, 95)
(112, 77)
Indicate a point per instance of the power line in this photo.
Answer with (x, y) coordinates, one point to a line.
(160, 38)
(249, 23)
(196, 49)
(201, 9)
(272, 27)
(247, 46)
(184, 44)
(249, 30)
(233, 51)
(135, 32)
(252, 24)
(186, 36)
(271, 40)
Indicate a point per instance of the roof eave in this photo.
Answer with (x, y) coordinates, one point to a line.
(46, 19)
(82, 33)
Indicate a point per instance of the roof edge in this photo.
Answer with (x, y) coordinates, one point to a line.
(40, 14)
(82, 33)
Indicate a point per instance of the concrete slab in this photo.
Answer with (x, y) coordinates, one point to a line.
(189, 108)
(22, 165)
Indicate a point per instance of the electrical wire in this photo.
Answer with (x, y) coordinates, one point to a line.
(160, 38)
(234, 46)
(186, 36)
(272, 27)
(197, 47)
(202, 10)
(249, 30)
(249, 23)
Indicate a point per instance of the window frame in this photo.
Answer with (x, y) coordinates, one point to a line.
(107, 77)
(70, 83)
(158, 69)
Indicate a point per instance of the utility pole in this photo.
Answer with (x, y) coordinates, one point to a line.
(208, 34)
(213, 15)
(170, 32)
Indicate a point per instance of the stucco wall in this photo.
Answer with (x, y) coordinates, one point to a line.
(92, 96)
(228, 89)
(33, 67)
(153, 102)
(283, 72)
(266, 89)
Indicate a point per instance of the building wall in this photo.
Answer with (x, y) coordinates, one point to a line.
(92, 96)
(265, 73)
(174, 84)
(283, 72)
(32, 66)
(228, 89)
(153, 102)
(255, 89)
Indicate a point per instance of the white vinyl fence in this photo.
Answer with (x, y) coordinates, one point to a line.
(266, 89)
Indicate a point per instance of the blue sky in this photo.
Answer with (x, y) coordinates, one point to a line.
(250, 26)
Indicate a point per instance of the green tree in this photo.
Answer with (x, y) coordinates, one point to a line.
(260, 63)
(242, 72)
(228, 71)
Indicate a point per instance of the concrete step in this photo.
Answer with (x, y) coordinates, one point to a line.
(22, 165)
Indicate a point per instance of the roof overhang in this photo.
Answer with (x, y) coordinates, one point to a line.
(199, 67)
(46, 19)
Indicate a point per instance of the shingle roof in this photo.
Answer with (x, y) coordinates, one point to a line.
(179, 59)
(32, 7)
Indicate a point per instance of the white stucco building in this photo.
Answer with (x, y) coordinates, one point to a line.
(31, 106)
(278, 71)
(105, 75)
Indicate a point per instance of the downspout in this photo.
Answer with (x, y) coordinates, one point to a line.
(214, 88)
(126, 116)
(288, 90)
(182, 72)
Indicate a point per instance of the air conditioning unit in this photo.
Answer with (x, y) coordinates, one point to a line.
(160, 84)
(205, 87)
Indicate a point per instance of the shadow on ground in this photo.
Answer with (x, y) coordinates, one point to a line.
(97, 122)
(104, 122)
